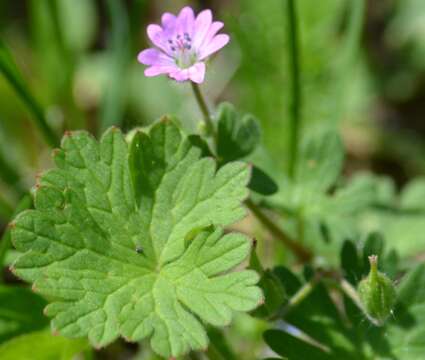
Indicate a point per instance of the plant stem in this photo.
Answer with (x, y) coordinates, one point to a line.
(204, 109)
(302, 254)
(295, 93)
(23, 92)
(297, 298)
(302, 293)
(351, 292)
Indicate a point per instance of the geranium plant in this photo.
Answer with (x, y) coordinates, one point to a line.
(160, 236)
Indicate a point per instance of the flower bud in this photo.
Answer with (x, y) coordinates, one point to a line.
(377, 294)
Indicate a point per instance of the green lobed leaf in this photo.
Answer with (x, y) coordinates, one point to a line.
(42, 345)
(130, 242)
(328, 210)
(399, 217)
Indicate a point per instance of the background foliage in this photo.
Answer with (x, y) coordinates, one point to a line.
(360, 169)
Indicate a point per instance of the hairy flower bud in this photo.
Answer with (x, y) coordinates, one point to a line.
(377, 294)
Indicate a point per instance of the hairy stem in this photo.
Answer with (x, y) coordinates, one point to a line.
(295, 93)
(302, 254)
(23, 92)
(204, 109)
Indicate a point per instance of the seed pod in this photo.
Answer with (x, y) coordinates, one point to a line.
(377, 294)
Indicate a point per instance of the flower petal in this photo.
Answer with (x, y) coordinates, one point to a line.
(168, 21)
(215, 27)
(186, 21)
(153, 56)
(214, 45)
(180, 74)
(202, 24)
(159, 70)
(158, 37)
(197, 72)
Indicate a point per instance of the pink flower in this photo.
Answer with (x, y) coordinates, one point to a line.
(182, 44)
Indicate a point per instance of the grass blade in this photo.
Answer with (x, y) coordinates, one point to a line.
(11, 75)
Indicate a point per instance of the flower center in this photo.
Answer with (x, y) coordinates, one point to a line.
(181, 47)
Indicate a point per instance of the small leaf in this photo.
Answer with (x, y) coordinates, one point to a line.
(290, 281)
(292, 347)
(350, 262)
(131, 243)
(220, 349)
(201, 144)
(42, 345)
(274, 295)
(262, 183)
(237, 136)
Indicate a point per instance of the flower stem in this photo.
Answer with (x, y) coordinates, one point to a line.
(204, 109)
(23, 92)
(302, 254)
(295, 94)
